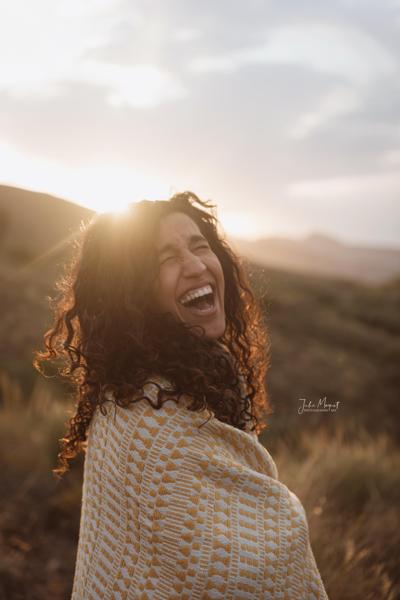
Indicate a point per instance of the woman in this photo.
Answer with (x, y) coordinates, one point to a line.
(168, 354)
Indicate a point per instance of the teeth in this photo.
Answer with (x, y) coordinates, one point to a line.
(203, 291)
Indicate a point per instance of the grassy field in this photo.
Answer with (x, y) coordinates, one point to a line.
(330, 338)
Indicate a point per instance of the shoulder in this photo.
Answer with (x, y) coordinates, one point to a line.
(173, 428)
(202, 434)
(151, 403)
(149, 410)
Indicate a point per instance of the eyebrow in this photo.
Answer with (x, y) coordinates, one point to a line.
(192, 240)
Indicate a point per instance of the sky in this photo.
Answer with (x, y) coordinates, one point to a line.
(285, 114)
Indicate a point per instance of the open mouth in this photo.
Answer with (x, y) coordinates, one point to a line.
(204, 304)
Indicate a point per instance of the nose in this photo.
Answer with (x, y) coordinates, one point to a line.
(193, 265)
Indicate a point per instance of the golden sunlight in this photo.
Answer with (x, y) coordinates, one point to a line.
(100, 187)
(112, 188)
(119, 209)
(241, 224)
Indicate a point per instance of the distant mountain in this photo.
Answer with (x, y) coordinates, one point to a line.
(36, 225)
(324, 255)
(35, 222)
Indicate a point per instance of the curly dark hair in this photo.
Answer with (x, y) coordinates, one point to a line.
(111, 337)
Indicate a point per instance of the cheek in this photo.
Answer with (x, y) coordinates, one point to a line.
(165, 290)
(219, 271)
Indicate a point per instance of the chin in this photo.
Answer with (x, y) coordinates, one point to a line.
(215, 331)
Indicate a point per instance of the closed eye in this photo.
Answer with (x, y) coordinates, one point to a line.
(167, 258)
(204, 246)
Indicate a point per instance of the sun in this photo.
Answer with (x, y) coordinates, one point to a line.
(240, 224)
(111, 189)
(101, 187)
(119, 209)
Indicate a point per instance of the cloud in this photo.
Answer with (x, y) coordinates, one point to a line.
(353, 59)
(343, 51)
(49, 46)
(391, 158)
(363, 208)
(244, 103)
(185, 34)
(348, 187)
(44, 41)
(337, 102)
(138, 86)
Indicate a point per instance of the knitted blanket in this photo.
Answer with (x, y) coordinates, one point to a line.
(171, 511)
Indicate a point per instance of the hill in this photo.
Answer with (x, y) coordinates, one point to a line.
(331, 338)
(34, 224)
(325, 255)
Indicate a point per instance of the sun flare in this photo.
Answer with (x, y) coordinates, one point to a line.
(119, 209)
(100, 187)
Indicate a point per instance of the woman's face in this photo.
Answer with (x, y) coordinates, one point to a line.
(187, 268)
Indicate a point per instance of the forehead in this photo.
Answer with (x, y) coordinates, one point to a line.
(176, 229)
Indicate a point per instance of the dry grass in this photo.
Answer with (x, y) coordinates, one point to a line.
(39, 516)
(350, 490)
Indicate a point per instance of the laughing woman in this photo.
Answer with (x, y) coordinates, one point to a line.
(167, 353)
